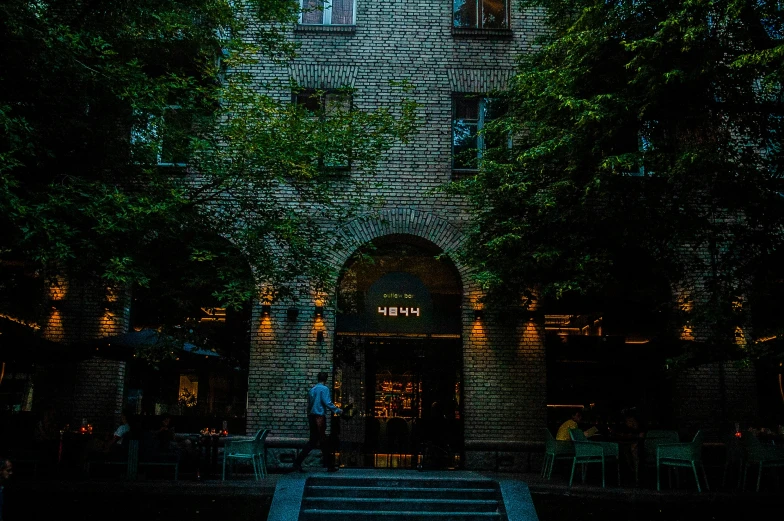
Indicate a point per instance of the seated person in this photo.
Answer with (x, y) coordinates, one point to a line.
(166, 435)
(572, 423)
(632, 430)
(111, 445)
(46, 430)
(116, 441)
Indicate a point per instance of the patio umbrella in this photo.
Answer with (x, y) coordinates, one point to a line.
(146, 338)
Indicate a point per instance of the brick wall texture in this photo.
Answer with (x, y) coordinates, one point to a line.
(83, 311)
(503, 364)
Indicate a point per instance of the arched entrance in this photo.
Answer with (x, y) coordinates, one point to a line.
(398, 356)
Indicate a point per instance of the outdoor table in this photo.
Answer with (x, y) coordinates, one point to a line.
(207, 447)
(72, 452)
(627, 446)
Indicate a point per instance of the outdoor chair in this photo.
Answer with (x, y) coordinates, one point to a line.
(251, 451)
(586, 451)
(757, 453)
(653, 438)
(682, 455)
(553, 451)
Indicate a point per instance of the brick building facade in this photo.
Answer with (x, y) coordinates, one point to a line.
(496, 361)
(501, 362)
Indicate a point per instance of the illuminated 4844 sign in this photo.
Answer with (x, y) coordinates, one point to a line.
(395, 311)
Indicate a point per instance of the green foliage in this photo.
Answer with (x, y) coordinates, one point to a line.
(125, 124)
(645, 126)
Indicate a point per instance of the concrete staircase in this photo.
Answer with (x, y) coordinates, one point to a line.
(409, 497)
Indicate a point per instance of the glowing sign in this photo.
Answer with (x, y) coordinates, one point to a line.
(398, 295)
(395, 311)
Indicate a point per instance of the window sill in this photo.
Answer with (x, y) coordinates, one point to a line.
(308, 28)
(459, 174)
(489, 34)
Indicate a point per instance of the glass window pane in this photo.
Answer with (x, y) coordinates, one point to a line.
(338, 101)
(464, 144)
(176, 136)
(465, 13)
(493, 108)
(494, 14)
(467, 107)
(342, 12)
(313, 11)
(309, 100)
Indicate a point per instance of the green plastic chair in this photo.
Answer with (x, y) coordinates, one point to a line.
(653, 438)
(586, 451)
(757, 453)
(682, 455)
(247, 450)
(555, 450)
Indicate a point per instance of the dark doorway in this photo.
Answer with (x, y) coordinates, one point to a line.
(406, 398)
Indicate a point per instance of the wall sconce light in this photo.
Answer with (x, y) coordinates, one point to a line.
(319, 312)
(53, 303)
(292, 314)
(320, 336)
(478, 314)
(266, 309)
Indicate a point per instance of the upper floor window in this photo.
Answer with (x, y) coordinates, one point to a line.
(328, 12)
(330, 108)
(471, 116)
(163, 139)
(481, 14)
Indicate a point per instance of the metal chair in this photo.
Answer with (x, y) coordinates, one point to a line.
(554, 450)
(682, 455)
(247, 450)
(756, 453)
(586, 451)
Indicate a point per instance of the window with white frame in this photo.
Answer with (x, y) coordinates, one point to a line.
(329, 105)
(471, 116)
(481, 14)
(328, 12)
(163, 139)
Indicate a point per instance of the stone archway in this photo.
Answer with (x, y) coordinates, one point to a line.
(398, 358)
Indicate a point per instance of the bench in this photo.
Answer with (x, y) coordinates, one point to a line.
(286, 450)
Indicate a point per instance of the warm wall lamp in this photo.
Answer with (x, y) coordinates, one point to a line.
(292, 313)
(319, 312)
(320, 336)
(266, 309)
(478, 313)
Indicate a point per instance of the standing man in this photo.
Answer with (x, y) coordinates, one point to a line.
(319, 402)
(6, 470)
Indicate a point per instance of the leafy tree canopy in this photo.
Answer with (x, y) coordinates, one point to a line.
(651, 127)
(130, 123)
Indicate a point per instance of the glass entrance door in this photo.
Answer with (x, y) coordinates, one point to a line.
(404, 400)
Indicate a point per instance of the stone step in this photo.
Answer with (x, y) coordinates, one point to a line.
(420, 482)
(412, 492)
(400, 504)
(402, 515)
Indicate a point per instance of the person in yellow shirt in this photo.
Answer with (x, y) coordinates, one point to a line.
(571, 423)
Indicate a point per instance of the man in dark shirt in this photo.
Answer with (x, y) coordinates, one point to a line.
(319, 402)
